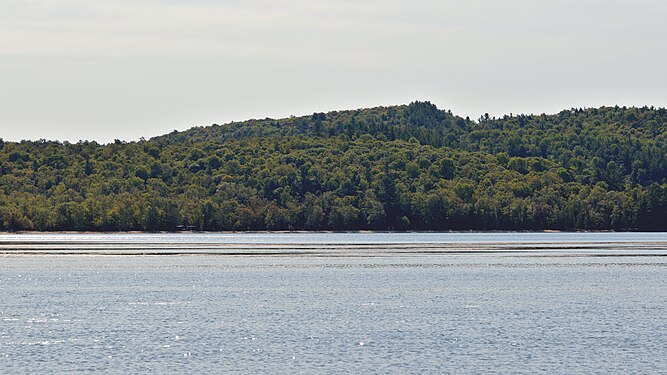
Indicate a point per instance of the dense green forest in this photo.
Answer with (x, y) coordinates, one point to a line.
(410, 167)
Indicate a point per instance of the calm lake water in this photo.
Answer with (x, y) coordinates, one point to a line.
(552, 303)
(344, 237)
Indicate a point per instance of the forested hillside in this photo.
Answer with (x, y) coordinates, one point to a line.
(410, 167)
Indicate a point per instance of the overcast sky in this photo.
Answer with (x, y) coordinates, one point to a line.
(106, 69)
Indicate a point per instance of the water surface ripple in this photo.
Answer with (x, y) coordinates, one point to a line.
(566, 309)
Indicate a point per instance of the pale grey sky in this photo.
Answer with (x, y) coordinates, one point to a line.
(106, 69)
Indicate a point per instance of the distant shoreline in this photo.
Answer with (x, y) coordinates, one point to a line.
(321, 232)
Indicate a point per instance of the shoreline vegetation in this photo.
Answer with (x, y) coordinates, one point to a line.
(401, 168)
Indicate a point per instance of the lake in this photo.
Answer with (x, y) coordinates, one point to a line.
(334, 303)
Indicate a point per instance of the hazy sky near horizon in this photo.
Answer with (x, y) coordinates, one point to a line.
(105, 69)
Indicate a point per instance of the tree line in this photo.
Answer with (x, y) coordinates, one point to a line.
(411, 167)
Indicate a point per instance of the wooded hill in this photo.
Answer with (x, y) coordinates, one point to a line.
(410, 167)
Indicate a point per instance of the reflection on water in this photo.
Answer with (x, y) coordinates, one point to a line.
(401, 313)
(337, 244)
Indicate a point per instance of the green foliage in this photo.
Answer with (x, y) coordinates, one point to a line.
(387, 168)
